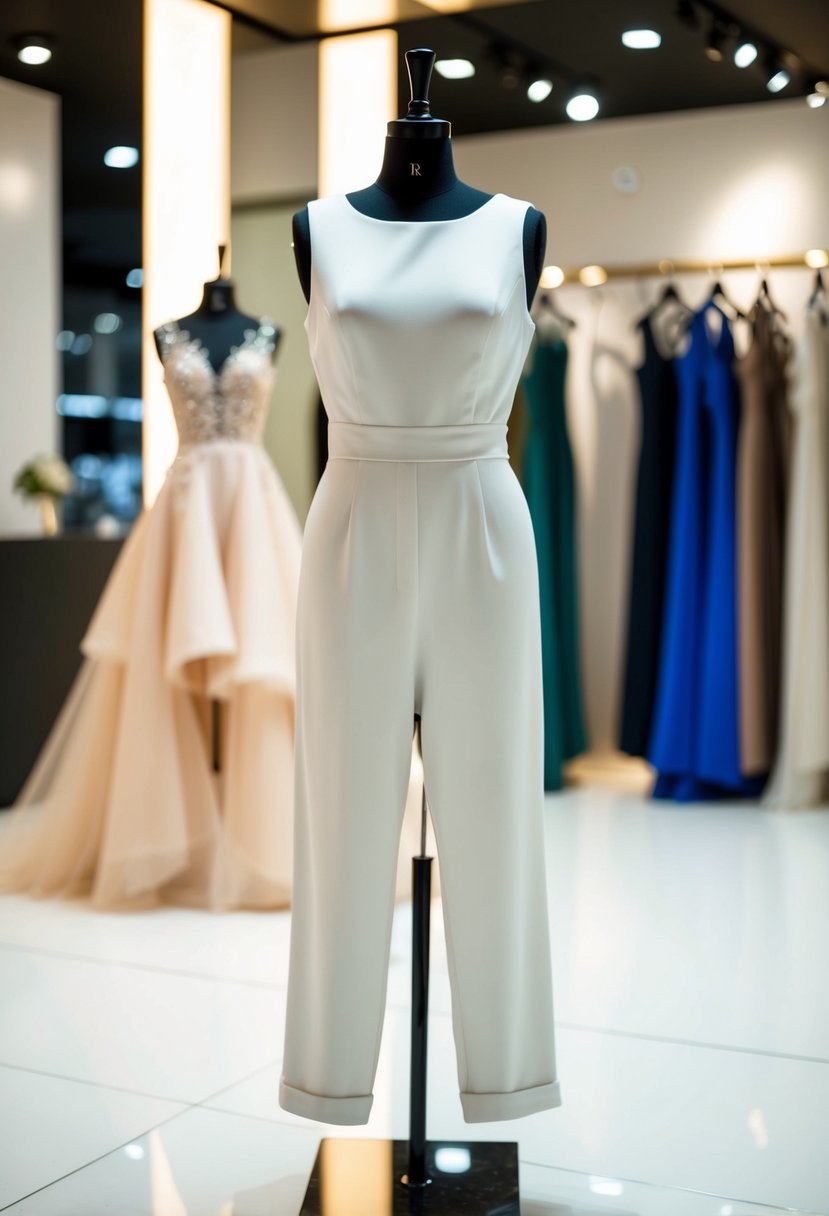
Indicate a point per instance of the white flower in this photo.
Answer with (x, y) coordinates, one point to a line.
(53, 474)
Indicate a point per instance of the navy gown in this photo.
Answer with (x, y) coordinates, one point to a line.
(694, 741)
(657, 393)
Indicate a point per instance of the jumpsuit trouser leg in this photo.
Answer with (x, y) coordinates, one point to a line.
(419, 592)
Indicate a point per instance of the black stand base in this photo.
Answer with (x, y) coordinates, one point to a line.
(364, 1178)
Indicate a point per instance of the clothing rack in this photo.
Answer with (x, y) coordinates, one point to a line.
(667, 267)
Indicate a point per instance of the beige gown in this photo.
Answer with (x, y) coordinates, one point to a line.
(123, 803)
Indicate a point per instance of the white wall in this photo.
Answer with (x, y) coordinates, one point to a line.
(738, 182)
(273, 147)
(273, 170)
(30, 278)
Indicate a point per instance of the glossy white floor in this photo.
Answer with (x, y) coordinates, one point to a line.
(140, 1054)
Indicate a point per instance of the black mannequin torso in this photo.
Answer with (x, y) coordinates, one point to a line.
(217, 324)
(418, 183)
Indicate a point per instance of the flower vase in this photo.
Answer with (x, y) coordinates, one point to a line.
(48, 514)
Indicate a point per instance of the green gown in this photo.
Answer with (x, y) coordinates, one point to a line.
(549, 485)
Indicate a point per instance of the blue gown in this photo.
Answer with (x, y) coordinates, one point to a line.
(694, 743)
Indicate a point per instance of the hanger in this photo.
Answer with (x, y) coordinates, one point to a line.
(765, 301)
(818, 294)
(717, 293)
(547, 303)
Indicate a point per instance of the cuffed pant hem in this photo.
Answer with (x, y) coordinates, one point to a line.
(492, 1108)
(344, 1111)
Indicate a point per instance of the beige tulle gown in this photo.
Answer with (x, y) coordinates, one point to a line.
(124, 803)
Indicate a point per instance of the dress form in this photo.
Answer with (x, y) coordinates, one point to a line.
(418, 183)
(218, 325)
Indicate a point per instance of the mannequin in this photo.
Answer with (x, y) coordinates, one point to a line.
(218, 324)
(418, 182)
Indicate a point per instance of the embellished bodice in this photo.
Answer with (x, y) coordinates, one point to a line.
(230, 404)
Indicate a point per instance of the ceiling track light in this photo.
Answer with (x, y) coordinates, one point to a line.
(34, 49)
(687, 14)
(745, 52)
(540, 86)
(716, 39)
(777, 75)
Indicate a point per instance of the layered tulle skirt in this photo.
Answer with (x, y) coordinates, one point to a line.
(168, 776)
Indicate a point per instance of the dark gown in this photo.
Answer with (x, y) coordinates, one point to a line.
(657, 391)
(549, 485)
(695, 743)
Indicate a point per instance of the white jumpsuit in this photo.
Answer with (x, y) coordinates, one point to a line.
(419, 593)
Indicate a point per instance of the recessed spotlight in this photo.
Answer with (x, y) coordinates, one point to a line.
(551, 276)
(82, 344)
(582, 106)
(121, 157)
(593, 276)
(34, 49)
(540, 90)
(455, 69)
(745, 53)
(135, 278)
(65, 339)
(778, 79)
(815, 100)
(641, 40)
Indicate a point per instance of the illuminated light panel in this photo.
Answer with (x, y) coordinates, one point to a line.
(357, 75)
(817, 258)
(540, 90)
(186, 201)
(641, 40)
(551, 276)
(455, 69)
(592, 276)
(121, 157)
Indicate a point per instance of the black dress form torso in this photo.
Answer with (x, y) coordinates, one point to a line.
(418, 183)
(218, 325)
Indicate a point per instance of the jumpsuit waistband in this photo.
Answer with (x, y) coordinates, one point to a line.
(472, 441)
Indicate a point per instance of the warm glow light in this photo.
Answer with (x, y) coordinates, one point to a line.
(551, 276)
(17, 186)
(817, 258)
(540, 90)
(357, 75)
(455, 69)
(352, 14)
(120, 157)
(582, 107)
(745, 54)
(186, 200)
(592, 276)
(641, 40)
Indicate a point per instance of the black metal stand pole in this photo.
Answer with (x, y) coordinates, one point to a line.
(444, 1178)
(421, 914)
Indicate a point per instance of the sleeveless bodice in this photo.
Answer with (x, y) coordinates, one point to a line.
(230, 404)
(418, 324)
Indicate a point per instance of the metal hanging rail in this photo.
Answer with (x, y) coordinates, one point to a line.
(594, 276)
